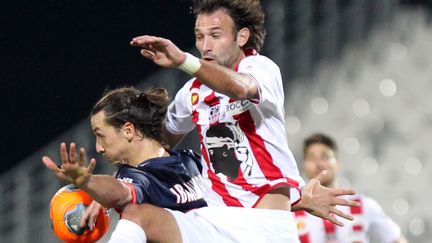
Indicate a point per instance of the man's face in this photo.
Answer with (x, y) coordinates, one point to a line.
(110, 141)
(319, 157)
(215, 38)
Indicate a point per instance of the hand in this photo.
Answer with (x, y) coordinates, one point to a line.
(90, 215)
(72, 169)
(321, 201)
(161, 51)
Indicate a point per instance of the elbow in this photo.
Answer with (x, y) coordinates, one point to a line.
(245, 88)
(240, 92)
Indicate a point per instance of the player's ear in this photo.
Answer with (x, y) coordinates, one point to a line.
(128, 130)
(243, 36)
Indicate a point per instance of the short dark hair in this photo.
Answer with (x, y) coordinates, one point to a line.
(145, 109)
(245, 14)
(319, 138)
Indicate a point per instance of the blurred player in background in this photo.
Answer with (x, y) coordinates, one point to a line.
(370, 221)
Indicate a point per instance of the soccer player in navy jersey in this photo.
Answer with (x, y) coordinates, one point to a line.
(127, 125)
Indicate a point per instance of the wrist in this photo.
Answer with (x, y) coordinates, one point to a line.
(83, 183)
(191, 64)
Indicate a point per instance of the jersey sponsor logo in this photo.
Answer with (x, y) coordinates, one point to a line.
(237, 107)
(125, 179)
(231, 109)
(189, 191)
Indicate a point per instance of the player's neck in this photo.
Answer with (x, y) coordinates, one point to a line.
(237, 61)
(144, 150)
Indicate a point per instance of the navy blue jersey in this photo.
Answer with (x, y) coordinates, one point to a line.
(172, 182)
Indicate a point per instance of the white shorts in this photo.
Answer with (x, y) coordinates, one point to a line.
(234, 224)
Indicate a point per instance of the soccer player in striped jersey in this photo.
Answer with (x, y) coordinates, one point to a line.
(370, 221)
(236, 101)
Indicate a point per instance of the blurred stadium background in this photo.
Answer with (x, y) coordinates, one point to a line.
(360, 71)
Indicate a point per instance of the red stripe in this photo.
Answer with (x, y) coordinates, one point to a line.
(217, 184)
(300, 213)
(356, 210)
(357, 227)
(304, 238)
(263, 157)
(196, 84)
(329, 227)
(211, 100)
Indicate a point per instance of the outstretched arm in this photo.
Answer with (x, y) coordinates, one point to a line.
(103, 188)
(321, 201)
(221, 79)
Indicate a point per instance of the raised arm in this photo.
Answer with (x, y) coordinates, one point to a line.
(219, 78)
(105, 189)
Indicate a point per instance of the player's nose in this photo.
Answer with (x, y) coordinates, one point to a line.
(99, 148)
(207, 44)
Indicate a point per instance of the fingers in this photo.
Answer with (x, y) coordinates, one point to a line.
(147, 54)
(91, 165)
(90, 215)
(334, 220)
(64, 154)
(340, 213)
(49, 163)
(144, 40)
(321, 176)
(343, 191)
(82, 156)
(72, 153)
(345, 202)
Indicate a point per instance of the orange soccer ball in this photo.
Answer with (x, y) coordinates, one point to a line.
(66, 209)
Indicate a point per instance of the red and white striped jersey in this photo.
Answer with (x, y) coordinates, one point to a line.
(243, 142)
(370, 222)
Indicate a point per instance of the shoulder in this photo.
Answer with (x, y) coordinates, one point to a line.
(131, 175)
(258, 60)
(188, 152)
(190, 158)
(189, 83)
(184, 91)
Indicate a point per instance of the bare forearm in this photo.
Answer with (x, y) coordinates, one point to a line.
(172, 139)
(108, 191)
(227, 81)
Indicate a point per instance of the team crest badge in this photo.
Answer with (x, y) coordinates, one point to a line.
(194, 98)
(302, 227)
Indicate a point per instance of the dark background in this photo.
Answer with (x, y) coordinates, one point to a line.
(57, 57)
